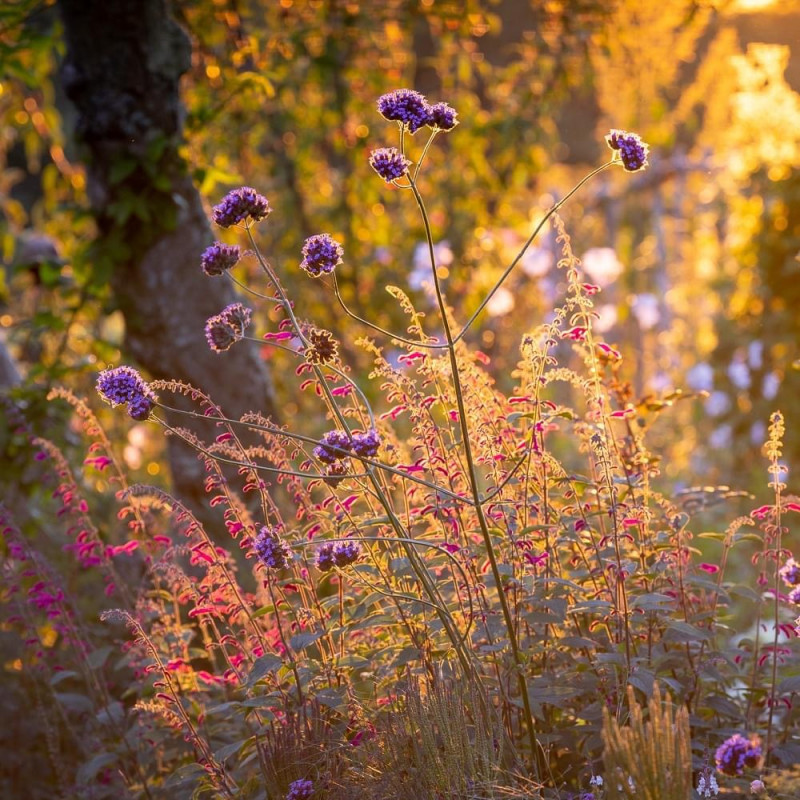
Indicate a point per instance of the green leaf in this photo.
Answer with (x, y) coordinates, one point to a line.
(98, 657)
(230, 749)
(789, 685)
(263, 666)
(300, 641)
(88, 771)
(121, 169)
(678, 631)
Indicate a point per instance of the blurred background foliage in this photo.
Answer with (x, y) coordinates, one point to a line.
(697, 256)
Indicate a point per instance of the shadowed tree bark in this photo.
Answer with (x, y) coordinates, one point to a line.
(122, 69)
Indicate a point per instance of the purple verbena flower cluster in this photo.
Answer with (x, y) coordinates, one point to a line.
(125, 386)
(366, 444)
(334, 446)
(412, 110)
(271, 550)
(389, 163)
(632, 150)
(790, 573)
(239, 205)
(321, 255)
(322, 347)
(226, 328)
(337, 554)
(736, 753)
(219, 257)
(301, 789)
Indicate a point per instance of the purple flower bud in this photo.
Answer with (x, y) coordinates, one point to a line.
(300, 790)
(442, 116)
(223, 330)
(124, 385)
(345, 553)
(406, 106)
(736, 753)
(219, 258)
(389, 163)
(239, 205)
(321, 255)
(790, 573)
(632, 150)
(271, 549)
(334, 446)
(366, 444)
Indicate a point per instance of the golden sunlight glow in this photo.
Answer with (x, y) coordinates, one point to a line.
(752, 5)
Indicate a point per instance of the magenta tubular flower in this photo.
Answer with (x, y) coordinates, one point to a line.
(321, 255)
(632, 150)
(389, 163)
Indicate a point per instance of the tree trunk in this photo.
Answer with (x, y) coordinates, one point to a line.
(122, 69)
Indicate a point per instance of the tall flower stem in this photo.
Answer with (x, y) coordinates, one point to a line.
(474, 484)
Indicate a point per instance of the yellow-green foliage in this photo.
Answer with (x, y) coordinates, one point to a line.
(655, 754)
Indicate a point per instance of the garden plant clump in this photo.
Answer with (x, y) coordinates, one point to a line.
(459, 593)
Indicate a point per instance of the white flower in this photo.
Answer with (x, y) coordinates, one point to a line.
(536, 262)
(501, 303)
(596, 780)
(646, 309)
(602, 265)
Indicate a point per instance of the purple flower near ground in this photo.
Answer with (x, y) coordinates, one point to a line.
(321, 255)
(389, 163)
(218, 258)
(790, 573)
(239, 205)
(405, 106)
(334, 446)
(366, 444)
(125, 386)
(223, 330)
(300, 790)
(271, 549)
(632, 150)
(442, 116)
(736, 753)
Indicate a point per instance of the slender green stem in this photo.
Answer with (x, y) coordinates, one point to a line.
(527, 244)
(475, 486)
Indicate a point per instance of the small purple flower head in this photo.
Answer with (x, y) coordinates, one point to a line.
(300, 790)
(124, 385)
(337, 554)
(346, 553)
(334, 446)
(219, 258)
(239, 205)
(366, 444)
(632, 150)
(321, 255)
(790, 573)
(223, 330)
(794, 596)
(389, 163)
(272, 551)
(736, 753)
(325, 561)
(443, 117)
(335, 473)
(405, 106)
(322, 347)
